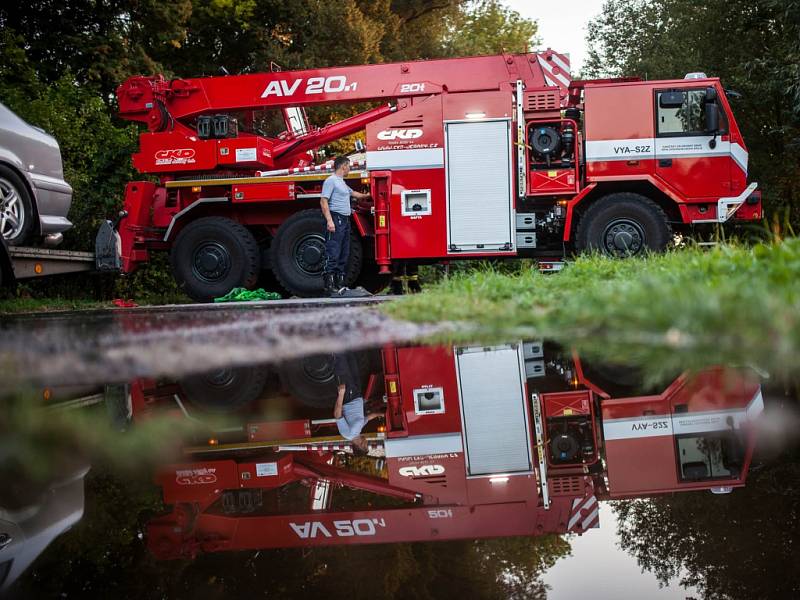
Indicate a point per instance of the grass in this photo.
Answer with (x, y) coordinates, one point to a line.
(686, 308)
(9, 306)
(25, 305)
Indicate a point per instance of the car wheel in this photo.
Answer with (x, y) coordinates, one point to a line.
(213, 255)
(16, 208)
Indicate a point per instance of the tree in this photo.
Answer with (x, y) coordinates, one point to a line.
(752, 46)
(488, 27)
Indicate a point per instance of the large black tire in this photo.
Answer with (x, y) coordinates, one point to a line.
(213, 255)
(298, 254)
(623, 224)
(16, 208)
(311, 380)
(225, 390)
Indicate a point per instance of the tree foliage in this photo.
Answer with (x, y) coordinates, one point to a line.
(754, 47)
(489, 28)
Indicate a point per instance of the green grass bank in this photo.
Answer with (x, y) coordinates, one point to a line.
(687, 308)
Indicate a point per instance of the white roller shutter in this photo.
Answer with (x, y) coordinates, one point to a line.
(479, 190)
(493, 410)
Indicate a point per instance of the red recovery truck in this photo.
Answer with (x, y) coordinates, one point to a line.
(515, 439)
(483, 157)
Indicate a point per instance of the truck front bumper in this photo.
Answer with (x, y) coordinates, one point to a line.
(744, 207)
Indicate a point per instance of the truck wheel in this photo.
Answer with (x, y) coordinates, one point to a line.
(213, 255)
(311, 380)
(623, 224)
(16, 208)
(225, 390)
(298, 253)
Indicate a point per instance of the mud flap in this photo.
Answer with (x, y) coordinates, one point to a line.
(107, 248)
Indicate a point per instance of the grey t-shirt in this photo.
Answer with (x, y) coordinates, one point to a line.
(338, 194)
(353, 419)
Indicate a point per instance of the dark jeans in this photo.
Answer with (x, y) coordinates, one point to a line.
(337, 245)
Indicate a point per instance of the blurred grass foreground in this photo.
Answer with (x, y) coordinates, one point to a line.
(687, 308)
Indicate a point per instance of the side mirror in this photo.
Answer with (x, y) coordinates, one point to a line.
(712, 117)
(711, 95)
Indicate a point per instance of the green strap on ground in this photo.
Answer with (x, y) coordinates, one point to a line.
(241, 294)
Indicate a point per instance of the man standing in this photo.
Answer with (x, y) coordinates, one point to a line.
(335, 204)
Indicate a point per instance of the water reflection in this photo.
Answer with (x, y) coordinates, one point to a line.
(392, 445)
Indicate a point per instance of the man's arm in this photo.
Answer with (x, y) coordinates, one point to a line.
(337, 410)
(359, 195)
(326, 212)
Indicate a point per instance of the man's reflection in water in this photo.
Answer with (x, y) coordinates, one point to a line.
(349, 411)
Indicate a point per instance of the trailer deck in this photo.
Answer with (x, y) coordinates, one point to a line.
(40, 262)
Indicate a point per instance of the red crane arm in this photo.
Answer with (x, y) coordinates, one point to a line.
(140, 97)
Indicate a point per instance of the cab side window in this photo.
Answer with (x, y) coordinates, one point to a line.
(681, 112)
(710, 456)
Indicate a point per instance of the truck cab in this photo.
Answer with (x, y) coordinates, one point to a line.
(678, 136)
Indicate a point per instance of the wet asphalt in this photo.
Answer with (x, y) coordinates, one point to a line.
(116, 345)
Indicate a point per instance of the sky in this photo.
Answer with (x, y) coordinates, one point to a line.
(598, 568)
(562, 25)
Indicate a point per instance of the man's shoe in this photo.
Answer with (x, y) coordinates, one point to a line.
(329, 281)
(341, 286)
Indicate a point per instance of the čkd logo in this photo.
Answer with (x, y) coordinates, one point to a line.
(421, 471)
(399, 134)
(175, 154)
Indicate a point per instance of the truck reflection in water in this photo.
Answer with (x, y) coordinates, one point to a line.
(519, 439)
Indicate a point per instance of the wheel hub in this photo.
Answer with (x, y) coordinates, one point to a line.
(309, 254)
(220, 378)
(211, 262)
(623, 237)
(12, 215)
(319, 367)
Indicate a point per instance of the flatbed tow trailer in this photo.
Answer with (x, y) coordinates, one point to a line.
(25, 262)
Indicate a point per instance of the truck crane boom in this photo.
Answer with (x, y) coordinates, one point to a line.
(190, 114)
(187, 98)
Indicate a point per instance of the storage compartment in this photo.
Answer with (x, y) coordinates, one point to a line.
(415, 202)
(526, 239)
(526, 221)
(494, 411)
(429, 401)
(479, 186)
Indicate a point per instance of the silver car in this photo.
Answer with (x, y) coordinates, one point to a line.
(34, 198)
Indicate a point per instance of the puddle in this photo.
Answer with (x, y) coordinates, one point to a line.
(226, 460)
(76, 348)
